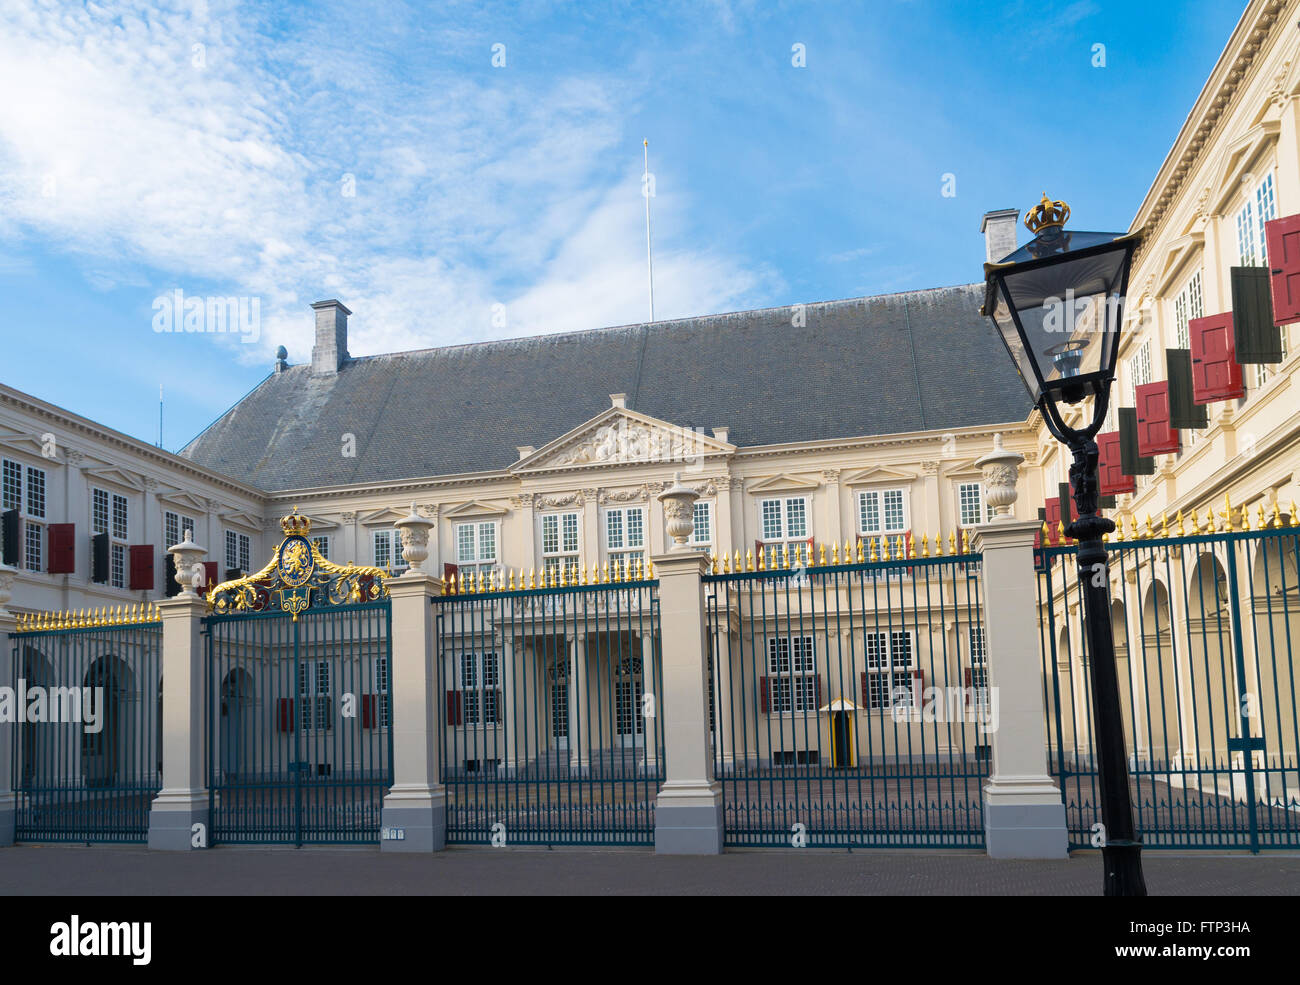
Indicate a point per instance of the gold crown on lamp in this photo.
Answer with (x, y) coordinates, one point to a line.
(1046, 214)
(295, 524)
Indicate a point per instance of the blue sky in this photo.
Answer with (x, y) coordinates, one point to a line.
(291, 152)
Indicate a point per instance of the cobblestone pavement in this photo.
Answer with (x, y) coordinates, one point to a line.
(82, 871)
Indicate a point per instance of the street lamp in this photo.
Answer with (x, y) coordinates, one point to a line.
(1058, 306)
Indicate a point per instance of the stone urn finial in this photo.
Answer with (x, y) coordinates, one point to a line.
(188, 555)
(415, 541)
(7, 575)
(679, 511)
(1001, 471)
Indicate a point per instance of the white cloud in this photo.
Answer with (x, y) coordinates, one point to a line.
(226, 177)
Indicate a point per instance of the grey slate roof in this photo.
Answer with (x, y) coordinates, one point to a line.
(865, 366)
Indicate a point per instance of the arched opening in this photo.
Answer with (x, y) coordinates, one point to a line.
(237, 723)
(39, 755)
(1211, 694)
(1128, 688)
(1275, 603)
(106, 751)
(1158, 674)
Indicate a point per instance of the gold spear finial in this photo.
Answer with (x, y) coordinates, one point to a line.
(1179, 520)
(1226, 513)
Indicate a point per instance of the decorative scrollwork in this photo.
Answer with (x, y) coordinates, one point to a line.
(298, 578)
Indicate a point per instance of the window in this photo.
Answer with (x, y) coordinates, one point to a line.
(237, 550)
(970, 504)
(1260, 206)
(479, 681)
(1139, 370)
(784, 523)
(792, 681)
(1264, 371)
(109, 515)
(388, 550)
(31, 510)
(381, 691)
(890, 677)
(315, 705)
(1187, 306)
(476, 548)
(174, 527)
(979, 664)
(625, 540)
(559, 541)
(703, 531)
(881, 513)
(322, 545)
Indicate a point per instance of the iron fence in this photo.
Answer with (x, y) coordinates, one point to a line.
(552, 731)
(87, 755)
(1205, 627)
(850, 704)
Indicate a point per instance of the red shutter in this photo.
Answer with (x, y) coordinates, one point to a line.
(63, 549)
(918, 685)
(1113, 479)
(453, 707)
(1155, 435)
(210, 574)
(141, 567)
(449, 571)
(1283, 239)
(284, 715)
(758, 554)
(817, 686)
(965, 683)
(1216, 374)
(865, 695)
(368, 711)
(1053, 507)
(762, 695)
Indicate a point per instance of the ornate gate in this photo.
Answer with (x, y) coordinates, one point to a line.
(298, 698)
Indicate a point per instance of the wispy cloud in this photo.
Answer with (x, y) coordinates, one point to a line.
(206, 146)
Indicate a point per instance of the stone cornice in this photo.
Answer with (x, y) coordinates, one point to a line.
(1217, 97)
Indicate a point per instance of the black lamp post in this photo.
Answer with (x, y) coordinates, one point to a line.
(1058, 303)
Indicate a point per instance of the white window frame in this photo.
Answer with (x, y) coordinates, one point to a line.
(382, 709)
(175, 525)
(19, 481)
(879, 659)
(705, 507)
(977, 648)
(791, 675)
(1189, 304)
(388, 556)
(480, 560)
(870, 530)
(778, 536)
(1139, 370)
(480, 680)
(981, 507)
(322, 544)
(315, 704)
(561, 555)
(622, 548)
(115, 507)
(239, 550)
(1259, 207)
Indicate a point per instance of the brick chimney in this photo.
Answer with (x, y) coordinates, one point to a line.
(331, 348)
(999, 229)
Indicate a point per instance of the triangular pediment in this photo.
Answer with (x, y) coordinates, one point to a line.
(388, 515)
(174, 500)
(27, 441)
(1176, 258)
(242, 519)
(1237, 160)
(476, 507)
(784, 481)
(877, 473)
(618, 436)
(963, 470)
(116, 476)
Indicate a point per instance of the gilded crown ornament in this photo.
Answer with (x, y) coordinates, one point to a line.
(1047, 214)
(295, 524)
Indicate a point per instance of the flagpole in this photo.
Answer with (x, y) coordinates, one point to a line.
(649, 255)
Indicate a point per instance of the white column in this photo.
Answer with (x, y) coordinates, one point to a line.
(414, 815)
(8, 729)
(178, 819)
(688, 811)
(1024, 816)
(653, 726)
(512, 716)
(581, 717)
(722, 702)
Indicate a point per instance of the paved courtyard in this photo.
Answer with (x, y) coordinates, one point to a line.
(82, 871)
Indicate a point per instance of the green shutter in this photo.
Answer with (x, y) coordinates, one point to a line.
(1106, 502)
(1257, 339)
(1131, 463)
(1183, 411)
